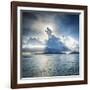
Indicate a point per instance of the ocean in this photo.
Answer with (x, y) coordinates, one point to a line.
(48, 65)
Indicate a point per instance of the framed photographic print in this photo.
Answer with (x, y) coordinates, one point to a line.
(48, 44)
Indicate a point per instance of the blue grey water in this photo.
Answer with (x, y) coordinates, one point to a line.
(45, 65)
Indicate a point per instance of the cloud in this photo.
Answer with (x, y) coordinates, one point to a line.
(34, 24)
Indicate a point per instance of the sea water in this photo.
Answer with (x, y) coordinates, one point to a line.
(47, 65)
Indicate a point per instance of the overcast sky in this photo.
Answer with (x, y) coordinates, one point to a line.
(34, 24)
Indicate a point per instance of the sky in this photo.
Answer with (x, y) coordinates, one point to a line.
(34, 24)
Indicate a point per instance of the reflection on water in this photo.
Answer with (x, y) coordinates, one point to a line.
(45, 65)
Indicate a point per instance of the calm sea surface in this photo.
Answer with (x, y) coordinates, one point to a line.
(45, 65)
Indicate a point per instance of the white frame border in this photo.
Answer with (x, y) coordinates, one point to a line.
(59, 78)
